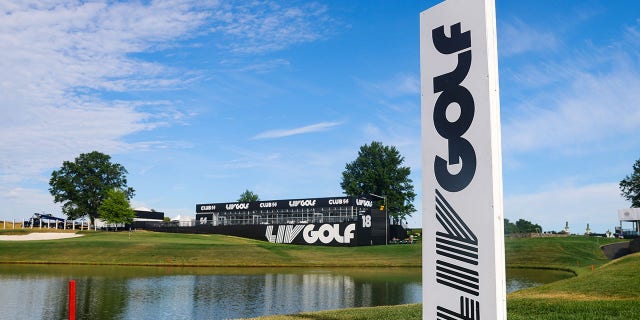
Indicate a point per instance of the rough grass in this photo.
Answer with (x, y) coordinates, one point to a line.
(10, 225)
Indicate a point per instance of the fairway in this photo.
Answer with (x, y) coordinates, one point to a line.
(164, 249)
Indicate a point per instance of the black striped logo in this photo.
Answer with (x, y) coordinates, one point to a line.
(457, 261)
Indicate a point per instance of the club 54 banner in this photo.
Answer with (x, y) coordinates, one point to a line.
(463, 246)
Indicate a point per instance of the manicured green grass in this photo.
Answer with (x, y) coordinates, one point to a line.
(552, 309)
(401, 312)
(151, 248)
(575, 253)
(610, 291)
(617, 280)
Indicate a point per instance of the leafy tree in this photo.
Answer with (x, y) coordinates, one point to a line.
(525, 226)
(115, 208)
(83, 184)
(248, 196)
(510, 227)
(520, 226)
(378, 170)
(630, 186)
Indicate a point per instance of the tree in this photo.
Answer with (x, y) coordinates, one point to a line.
(510, 227)
(115, 208)
(630, 186)
(525, 226)
(248, 196)
(82, 185)
(378, 170)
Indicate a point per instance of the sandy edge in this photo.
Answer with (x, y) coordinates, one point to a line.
(39, 236)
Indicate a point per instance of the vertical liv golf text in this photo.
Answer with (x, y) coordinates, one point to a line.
(456, 244)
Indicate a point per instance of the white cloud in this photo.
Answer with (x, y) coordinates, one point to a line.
(517, 37)
(396, 86)
(595, 107)
(281, 133)
(595, 204)
(20, 203)
(583, 99)
(58, 55)
(55, 55)
(264, 26)
(62, 60)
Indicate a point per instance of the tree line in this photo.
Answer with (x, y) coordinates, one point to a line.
(92, 186)
(521, 226)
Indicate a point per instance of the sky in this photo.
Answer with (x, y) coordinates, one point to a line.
(202, 100)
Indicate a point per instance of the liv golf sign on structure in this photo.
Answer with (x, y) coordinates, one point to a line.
(463, 249)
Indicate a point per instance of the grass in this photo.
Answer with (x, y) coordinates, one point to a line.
(575, 254)
(401, 312)
(166, 249)
(616, 280)
(610, 291)
(9, 225)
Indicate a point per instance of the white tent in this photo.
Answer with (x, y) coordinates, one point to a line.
(185, 221)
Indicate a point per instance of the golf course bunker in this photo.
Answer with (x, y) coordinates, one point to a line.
(39, 236)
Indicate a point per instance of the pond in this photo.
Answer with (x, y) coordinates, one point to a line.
(522, 278)
(112, 292)
(41, 291)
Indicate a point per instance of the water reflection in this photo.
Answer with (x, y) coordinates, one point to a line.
(522, 278)
(108, 292)
(40, 292)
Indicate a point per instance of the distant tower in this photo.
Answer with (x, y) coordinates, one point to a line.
(566, 227)
(588, 231)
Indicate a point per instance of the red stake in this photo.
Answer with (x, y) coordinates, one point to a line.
(72, 300)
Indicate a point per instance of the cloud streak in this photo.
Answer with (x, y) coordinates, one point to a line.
(281, 133)
(517, 37)
(264, 26)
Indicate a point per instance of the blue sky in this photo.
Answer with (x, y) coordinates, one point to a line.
(202, 100)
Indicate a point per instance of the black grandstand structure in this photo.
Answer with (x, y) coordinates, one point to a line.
(295, 211)
(334, 221)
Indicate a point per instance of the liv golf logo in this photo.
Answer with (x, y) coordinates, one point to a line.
(463, 247)
(324, 233)
(457, 246)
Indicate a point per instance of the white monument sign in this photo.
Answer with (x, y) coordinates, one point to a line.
(463, 247)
